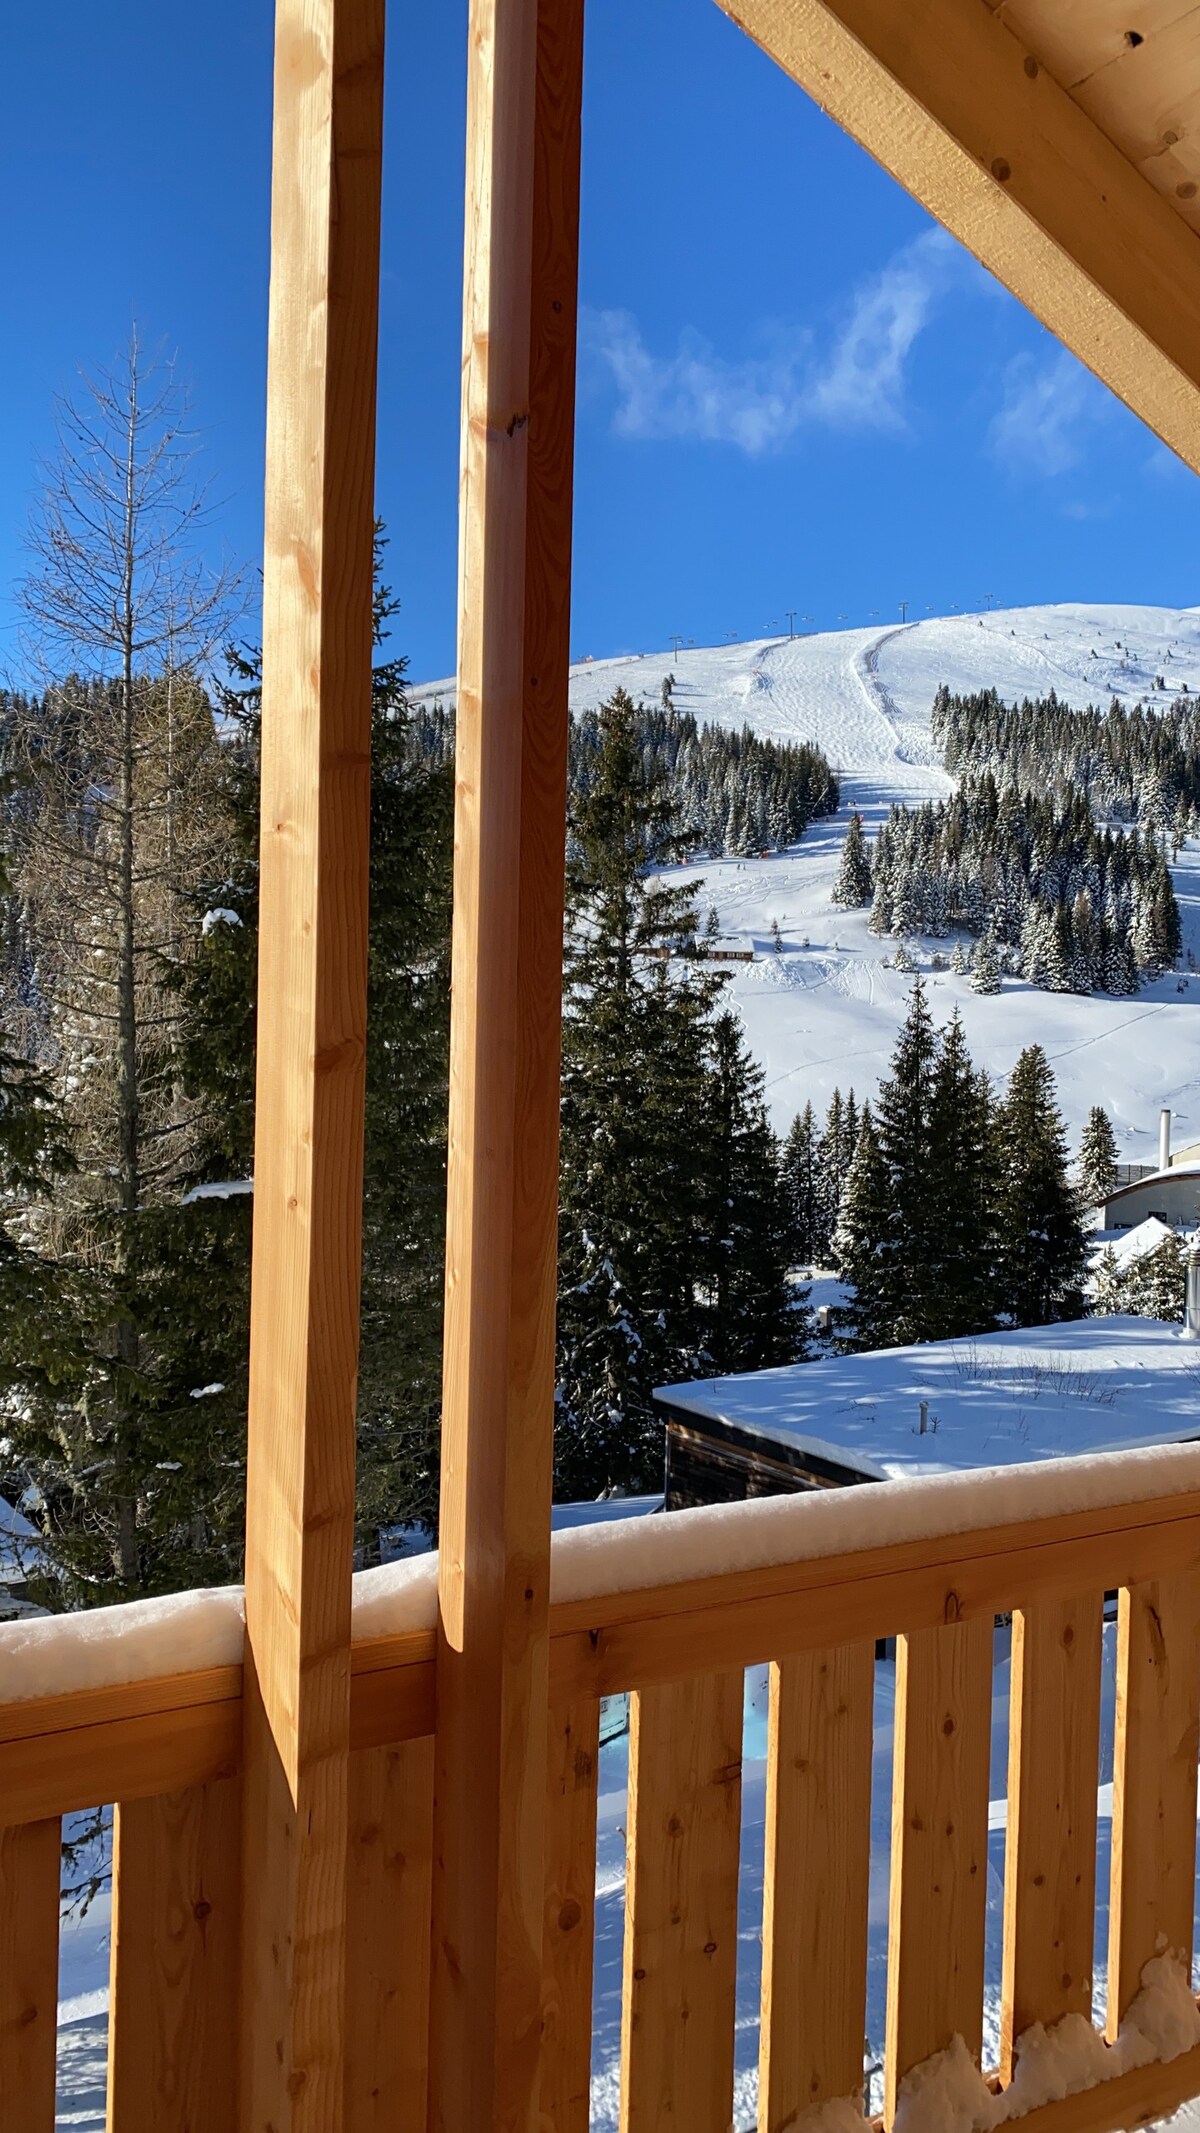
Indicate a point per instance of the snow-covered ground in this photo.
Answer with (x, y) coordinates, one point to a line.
(825, 1012)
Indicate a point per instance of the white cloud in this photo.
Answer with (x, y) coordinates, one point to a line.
(1040, 426)
(759, 404)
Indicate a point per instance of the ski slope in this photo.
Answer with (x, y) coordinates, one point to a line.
(825, 1012)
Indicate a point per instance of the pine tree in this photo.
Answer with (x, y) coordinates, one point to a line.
(853, 887)
(1156, 1285)
(1041, 1244)
(909, 1248)
(985, 965)
(799, 1171)
(961, 1154)
(863, 1221)
(1097, 1165)
(635, 1231)
(754, 1318)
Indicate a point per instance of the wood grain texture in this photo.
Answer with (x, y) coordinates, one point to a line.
(1154, 1782)
(681, 1882)
(520, 303)
(30, 1866)
(573, 1766)
(1050, 1852)
(962, 113)
(816, 1881)
(633, 1639)
(172, 2058)
(317, 595)
(1144, 94)
(387, 1939)
(939, 1846)
(61, 1753)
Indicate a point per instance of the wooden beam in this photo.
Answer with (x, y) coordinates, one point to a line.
(679, 1974)
(938, 1897)
(311, 1050)
(948, 99)
(30, 1868)
(1152, 1893)
(816, 1883)
(1050, 1853)
(524, 84)
(173, 1998)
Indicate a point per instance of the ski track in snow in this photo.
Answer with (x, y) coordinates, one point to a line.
(826, 1012)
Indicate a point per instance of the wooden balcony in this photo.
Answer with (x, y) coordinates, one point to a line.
(812, 1592)
(355, 1880)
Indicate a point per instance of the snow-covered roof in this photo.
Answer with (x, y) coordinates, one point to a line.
(1129, 1245)
(1044, 1392)
(396, 1543)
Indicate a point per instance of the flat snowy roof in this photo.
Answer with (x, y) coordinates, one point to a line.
(1044, 1392)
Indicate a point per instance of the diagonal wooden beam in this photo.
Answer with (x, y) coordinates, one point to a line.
(316, 732)
(524, 85)
(949, 100)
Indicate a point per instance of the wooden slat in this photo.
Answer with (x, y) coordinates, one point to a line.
(635, 1639)
(1050, 1850)
(951, 102)
(172, 2059)
(681, 1888)
(1154, 1782)
(316, 723)
(816, 1882)
(30, 1861)
(573, 1765)
(939, 1846)
(523, 110)
(387, 1939)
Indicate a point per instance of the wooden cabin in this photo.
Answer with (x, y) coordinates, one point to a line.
(354, 1880)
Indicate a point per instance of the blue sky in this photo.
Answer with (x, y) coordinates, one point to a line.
(794, 392)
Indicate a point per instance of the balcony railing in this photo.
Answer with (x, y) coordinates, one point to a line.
(808, 1584)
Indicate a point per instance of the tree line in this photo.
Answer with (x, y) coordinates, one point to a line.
(1068, 905)
(1135, 765)
(947, 1210)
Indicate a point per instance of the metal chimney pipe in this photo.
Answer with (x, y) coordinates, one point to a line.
(1164, 1138)
(1191, 1323)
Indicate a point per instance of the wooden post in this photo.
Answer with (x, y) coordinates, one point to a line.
(311, 1052)
(524, 82)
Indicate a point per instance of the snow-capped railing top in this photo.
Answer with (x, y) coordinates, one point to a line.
(188, 1632)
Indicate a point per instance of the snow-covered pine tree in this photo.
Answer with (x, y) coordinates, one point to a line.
(853, 888)
(1110, 1295)
(1096, 1169)
(958, 960)
(1041, 1255)
(961, 1154)
(985, 964)
(1156, 1284)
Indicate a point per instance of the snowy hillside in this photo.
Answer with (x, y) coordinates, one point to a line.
(825, 1011)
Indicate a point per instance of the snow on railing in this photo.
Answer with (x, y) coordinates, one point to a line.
(187, 1632)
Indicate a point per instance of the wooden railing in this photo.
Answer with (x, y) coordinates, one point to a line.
(167, 1752)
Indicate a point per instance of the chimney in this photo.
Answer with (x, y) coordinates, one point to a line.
(1191, 1323)
(1164, 1138)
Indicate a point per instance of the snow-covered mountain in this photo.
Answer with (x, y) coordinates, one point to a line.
(825, 1012)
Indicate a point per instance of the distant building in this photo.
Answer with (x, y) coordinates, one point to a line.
(1171, 1196)
(1044, 1392)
